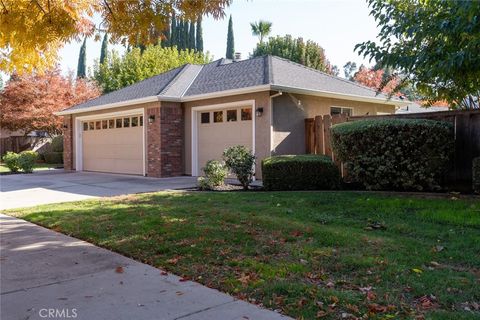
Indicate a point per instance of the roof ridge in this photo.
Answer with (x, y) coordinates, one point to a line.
(192, 80)
(170, 84)
(329, 75)
(269, 68)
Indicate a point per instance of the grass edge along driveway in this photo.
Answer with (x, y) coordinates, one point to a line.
(308, 254)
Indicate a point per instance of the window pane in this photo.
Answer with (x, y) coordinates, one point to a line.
(104, 124)
(98, 125)
(118, 123)
(91, 126)
(246, 114)
(205, 117)
(141, 121)
(335, 111)
(126, 122)
(347, 111)
(111, 124)
(218, 116)
(231, 115)
(134, 121)
(85, 126)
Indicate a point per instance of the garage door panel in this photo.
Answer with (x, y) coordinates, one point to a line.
(117, 150)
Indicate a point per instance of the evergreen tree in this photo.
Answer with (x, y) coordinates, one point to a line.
(185, 35)
(173, 32)
(199, 37)
(230, 40)
(82, 60)
(191, 37)
(104, 50)
(180, 35)
(166, 37)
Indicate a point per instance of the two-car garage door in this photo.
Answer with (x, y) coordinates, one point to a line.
(113, 145)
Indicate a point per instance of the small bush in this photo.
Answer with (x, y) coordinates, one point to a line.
(26, 160)
(394, 154)
(476, 175)
(300, 172)
(240, 161)
(11, 161)
(215, 174)
(57, 144)
(53, 157)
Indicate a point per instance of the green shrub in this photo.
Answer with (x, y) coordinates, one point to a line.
(26, 160)
(300, 172)
(53, 157)
(476, 175)
(240, 161)
(11, 161)
(215, 174)
(57, 144)
(394, 154)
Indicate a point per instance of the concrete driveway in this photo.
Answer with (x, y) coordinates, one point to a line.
(44, 187)
(47, 275)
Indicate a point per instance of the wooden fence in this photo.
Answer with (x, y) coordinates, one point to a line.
(467, 139)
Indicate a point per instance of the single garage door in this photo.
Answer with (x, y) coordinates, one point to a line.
(113, 145)
(219, 129)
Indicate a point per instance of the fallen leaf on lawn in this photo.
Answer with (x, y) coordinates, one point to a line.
(376, 308)
(321, 314)
(416, 270)
(352, 308)
(302, 302)
(164, 273)
(172, 261)
(330, 284)
(119, 269)
(244, 279)
(371, 295)
(438, 248)
(183, 279)
(334, 299)
(296, 233)
(427, 302)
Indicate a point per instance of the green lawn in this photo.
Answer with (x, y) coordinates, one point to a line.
(307, 254)
(38, 166)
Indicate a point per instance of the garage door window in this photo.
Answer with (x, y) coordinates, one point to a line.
(85, 126)
(126, 122)
(98, 125)
(246, 114)
(104, 124)
(111, 124)
(218, 116)
(118, 123)
(231, 115)
(91, 126)
(134, 121)
(205, 117)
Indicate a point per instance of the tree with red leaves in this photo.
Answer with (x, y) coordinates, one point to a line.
(28, 102)
(377, 80)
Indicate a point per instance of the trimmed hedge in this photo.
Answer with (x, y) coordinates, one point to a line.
(394, 154)
(476, 175)
(57, 144)
(53, 157)
(26, 160)
(300, 172)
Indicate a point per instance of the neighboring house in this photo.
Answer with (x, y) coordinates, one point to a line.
(418, 108)
(172, 123)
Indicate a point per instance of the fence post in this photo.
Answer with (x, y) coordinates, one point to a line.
(327, 123)
(319, 135)
(309, 136)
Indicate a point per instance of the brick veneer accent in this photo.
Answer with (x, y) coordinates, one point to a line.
(171, 139)
(68, 142)
(153, 143)
(165, 140)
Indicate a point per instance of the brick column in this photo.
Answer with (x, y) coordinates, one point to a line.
(171, 139)
(153, 142)
(68, 142)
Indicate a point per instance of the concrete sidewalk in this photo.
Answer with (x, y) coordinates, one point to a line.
(45, 274)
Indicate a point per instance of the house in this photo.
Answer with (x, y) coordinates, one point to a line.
(172, 123)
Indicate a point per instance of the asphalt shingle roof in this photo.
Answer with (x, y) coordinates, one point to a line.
(223, 75)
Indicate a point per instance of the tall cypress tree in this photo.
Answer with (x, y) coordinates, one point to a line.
(82, 60)
(180, 35)
(173, 32)
(185, 35)
(191, 36)
(230, 40)
(166, 40)
(199, 37)
(104, 50)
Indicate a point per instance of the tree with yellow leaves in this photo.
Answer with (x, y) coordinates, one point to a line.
(33, 31)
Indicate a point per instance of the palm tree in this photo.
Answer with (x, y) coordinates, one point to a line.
(261, 29)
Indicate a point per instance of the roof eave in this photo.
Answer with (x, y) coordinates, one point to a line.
(218, 94)
(336, 95)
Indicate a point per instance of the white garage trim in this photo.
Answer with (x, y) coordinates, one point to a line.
(194, 120)
(79, 133)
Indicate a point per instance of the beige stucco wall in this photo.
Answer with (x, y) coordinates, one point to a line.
(262, 125)
(107, 111)
(288, 136)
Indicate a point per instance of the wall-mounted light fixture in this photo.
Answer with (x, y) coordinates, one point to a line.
(65, 126)
(151, 118)
(259, 112)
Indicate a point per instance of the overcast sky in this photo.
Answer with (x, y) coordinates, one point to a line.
(337, 25)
